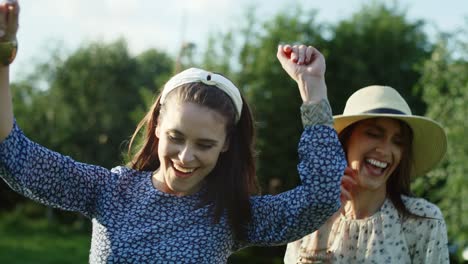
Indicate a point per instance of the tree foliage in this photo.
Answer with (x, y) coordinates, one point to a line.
(377, 45)
(444, 85)
(91, 97)
(273, 94)
(87, 104)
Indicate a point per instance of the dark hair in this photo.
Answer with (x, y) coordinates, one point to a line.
(399, 182)
(232, 181)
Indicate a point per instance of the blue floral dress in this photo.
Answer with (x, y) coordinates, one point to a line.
(133, 222)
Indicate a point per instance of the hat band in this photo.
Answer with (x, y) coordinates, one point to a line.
(384, 111)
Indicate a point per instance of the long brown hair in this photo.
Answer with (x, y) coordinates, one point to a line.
(232, 181)
(399, 182)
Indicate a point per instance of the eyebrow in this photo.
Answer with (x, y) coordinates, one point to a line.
(381, 129)
(201, 140)
(210, 141)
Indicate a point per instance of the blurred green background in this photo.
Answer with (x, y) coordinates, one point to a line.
(86, 104)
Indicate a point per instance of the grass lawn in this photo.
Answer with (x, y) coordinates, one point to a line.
(28, 241)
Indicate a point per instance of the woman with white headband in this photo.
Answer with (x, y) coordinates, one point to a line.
(186, 196)
(386, 146)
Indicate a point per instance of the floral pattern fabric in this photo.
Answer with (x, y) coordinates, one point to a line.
(133, 222)
(382, 238)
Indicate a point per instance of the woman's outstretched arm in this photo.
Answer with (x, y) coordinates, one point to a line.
(6, 108)
(8, 28)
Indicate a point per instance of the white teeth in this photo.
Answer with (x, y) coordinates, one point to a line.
(377, 163)
(184, 170)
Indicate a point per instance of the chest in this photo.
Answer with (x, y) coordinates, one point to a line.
(159, 227)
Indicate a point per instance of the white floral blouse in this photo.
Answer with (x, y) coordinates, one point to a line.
(382, 238)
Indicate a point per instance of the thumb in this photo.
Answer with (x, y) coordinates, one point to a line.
(284, 53)
(281, 55)
(350, 172)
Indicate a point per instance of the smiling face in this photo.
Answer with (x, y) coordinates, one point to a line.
(191, 138)
(374, 150)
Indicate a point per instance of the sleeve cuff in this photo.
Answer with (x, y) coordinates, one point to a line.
(317, 113)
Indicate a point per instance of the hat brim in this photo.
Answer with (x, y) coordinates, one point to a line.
(429, 138)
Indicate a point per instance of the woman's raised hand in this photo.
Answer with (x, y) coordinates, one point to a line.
(348, 183)
(9, 12)
(305, 65)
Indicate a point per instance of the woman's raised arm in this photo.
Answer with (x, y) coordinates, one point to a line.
(9, 12)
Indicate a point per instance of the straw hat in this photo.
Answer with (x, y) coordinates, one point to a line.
(429, 139)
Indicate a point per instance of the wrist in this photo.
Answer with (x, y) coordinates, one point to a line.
(313, 89)
(317, 113)
(8, 51)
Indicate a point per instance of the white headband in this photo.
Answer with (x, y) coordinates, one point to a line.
(198, 75)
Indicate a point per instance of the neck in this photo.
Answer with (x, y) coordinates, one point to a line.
(365, 203)
(160, 183)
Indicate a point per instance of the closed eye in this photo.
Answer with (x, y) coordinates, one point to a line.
(175, 139)
(204, 146)
(373, 134)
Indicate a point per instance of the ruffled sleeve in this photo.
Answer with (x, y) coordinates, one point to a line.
(427, 236)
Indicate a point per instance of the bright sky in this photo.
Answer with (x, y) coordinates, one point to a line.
(45, 24)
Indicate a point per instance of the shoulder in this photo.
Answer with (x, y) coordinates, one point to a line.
(124, 179)
(122, 170)
(426, 235)
(422, 207)
(125, 174)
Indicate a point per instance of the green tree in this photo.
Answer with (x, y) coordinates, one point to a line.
(92, 96)
(273, 94)
(444, 85)
(87, 103)
(154, 69)
(377, 45)
(275, 102)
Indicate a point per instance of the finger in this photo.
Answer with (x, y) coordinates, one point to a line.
(309, 54)
(3, 24)
(345, 195)
(348, 185)
(13, 11)
(349, 171)
(287, 49)
(12, 20)
(295, 53)
(301, 54)
(348, 180)
(281, 55)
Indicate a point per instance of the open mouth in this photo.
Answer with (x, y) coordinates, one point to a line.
(182, 171)
(376, 167)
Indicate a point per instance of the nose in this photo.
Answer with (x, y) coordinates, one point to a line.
(384, 147)
(186, 154)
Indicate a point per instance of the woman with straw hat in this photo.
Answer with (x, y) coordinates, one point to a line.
(379, 221)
